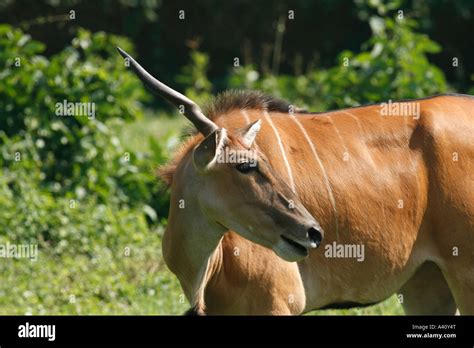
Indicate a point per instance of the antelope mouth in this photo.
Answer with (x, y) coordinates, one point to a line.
(295, 246)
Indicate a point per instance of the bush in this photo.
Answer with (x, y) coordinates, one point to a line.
(59, 224)
(49, 160)
(393, 65)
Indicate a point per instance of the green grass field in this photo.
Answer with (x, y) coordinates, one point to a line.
(111, 280)
(108, 282)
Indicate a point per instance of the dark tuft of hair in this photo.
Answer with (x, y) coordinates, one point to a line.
(245, 99)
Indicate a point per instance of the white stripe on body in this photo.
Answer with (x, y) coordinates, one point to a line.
(323, 171)
(282, 149)
(246, 116)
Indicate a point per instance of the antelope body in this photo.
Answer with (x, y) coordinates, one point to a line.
(278, 238)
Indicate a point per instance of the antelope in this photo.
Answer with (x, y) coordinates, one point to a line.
(321, 210)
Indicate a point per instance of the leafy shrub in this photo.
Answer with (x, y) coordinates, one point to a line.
(393, 65)
(48, 160)
(74, 152)
(194, 77)
(61, 223)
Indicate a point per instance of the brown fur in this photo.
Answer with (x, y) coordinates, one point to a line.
(392, 159)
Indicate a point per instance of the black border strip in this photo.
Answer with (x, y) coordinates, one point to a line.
(312, 330)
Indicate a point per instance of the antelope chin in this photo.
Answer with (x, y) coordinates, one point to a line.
(290, 250)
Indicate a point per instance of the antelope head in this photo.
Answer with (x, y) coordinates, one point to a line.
(244, 194)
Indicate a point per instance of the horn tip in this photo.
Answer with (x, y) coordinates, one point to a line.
(122, 52)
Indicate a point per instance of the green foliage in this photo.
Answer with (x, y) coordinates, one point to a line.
(84, 188)
(75, 187)
(68, 182)
(58, 224)
(194, 78)
(77, 155)
(130, 278)
(393, 65)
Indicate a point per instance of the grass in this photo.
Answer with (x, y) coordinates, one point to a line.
(108, 281)
(162, 127)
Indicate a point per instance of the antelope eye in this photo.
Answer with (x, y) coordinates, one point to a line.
(246, 167)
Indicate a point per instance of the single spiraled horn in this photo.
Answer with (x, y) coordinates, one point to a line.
(191, 110)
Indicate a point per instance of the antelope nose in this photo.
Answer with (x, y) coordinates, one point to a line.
(315, 235)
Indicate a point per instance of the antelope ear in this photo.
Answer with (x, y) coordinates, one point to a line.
(248, 133)
(206, 154)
